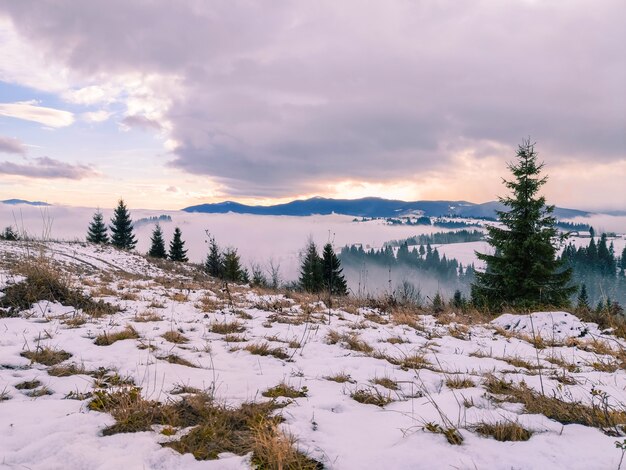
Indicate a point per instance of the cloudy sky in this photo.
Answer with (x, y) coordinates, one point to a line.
(170, 103)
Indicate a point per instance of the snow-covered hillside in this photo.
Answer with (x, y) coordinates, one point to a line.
(370, 388)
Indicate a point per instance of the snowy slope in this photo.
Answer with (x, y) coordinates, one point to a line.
(49, 431)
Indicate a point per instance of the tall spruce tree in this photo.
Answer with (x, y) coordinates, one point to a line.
(311, 270)
(97, 231)
(177, 247)
(334, 280)
(122, 228)
(523, 272)
(214, 264)
(157, 244)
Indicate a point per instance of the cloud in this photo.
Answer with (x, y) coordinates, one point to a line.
(140, 122)
(96, 116)
(11, 145)
(337, 91)
(172, 189)
(28, 111)
(45, 167)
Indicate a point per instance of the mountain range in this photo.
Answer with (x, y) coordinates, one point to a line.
(369, 207)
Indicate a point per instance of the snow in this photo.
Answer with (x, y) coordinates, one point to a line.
(53, 432)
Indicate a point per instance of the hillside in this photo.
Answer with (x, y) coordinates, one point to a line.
(145, 365)
(368, 207)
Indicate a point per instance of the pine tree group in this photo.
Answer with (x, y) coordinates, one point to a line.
(523, 272)
(157, 244)
(97, 231)
(122, 228)
(322, 274)
(177, 247)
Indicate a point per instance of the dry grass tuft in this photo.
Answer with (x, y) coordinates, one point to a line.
(176, 359)
(46, 355)
(285, 390)
(386, 382)
(341, 377)
(264, 349)
(175, 337)
(107, 339)
(503, 431)
(147, 316)
(67, 370)
(28, 385)
(371, 396)
(452, 434)
(352, 341)
(226, 327)
(458, 382)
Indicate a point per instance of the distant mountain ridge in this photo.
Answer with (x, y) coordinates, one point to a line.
(368, 207)
(23, 201)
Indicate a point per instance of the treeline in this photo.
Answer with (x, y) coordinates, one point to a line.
(318, 273)
(424, 260)
(573, 227)
(441, 238)
(599, 270)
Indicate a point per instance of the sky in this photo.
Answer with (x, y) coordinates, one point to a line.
(171, 103)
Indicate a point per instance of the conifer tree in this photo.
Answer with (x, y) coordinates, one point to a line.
(122, 228)
(311, 271)
(214, 264)
(157, 244)
(524, 271)
(177, 248)
(583, 299)
(333, 279)
(622, 261)
(232, 270)
(97, 231)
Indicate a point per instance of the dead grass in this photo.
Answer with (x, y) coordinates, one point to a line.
(107, 338)
(452, 434)
(285, 390)
(235, 339)
(415, 360)
(46, 355)
(352, 341)
(503, 431)
(371, 396)
(395, 340)
(599, 414)
(175, 337)
(147, 316)
(28, 385)
(45, 283)
(386, 382)
(517, 361)
(458, 382)
(227, 327)
(215, 428)
(341, 377)
(67, 370)
(264, 349)
(176, 359)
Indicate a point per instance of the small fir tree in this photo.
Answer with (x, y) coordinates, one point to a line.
(157, 244)
(311, 270)
(177, 248)
(583, 299)
(232, 267)
(214, 264)
(97, 231)
(524, 271)
(122, 236)
(333, 278)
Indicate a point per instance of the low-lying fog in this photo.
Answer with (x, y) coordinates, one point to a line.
(260, 239)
